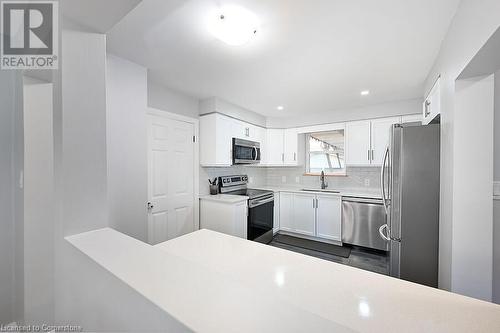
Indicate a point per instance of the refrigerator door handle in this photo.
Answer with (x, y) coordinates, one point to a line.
(381, 232)
(382, 180)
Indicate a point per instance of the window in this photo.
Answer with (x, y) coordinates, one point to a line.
(325, 152)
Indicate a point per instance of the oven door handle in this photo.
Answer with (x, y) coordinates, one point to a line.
(256, 203)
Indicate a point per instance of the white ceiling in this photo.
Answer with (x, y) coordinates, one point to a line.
(309, 55)
(96, 15)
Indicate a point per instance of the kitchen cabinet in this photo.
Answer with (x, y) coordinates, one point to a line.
(282, 147)
(285, 211)
(312, 215)
(224, 216)
(358, 143)
(216, 132)
(304, 214)
(366, 141)
(276, 217)
(380, 135)
(275, 144)
(329, 217)
(290, 146)
(431, 107)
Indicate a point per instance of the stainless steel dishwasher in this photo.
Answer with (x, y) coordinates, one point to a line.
(361, 220)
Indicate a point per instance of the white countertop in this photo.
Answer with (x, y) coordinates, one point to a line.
(359, 193)
(225, 198)
(212, 282)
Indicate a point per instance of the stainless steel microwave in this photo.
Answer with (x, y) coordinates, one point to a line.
(245, 152)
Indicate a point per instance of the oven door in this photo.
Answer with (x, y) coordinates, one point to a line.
(245, 152)
(260, 219)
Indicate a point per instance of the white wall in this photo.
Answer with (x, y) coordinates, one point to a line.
(126, 89)
(165, 99)
(80, 160)
(38, 203)
(6, 197)
(474, 22)
(396, 108)
(472, 248)
(215, 104)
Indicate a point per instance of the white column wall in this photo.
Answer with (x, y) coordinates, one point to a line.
(126, 90)
(474, 22)
(472, 259)
(38, 203)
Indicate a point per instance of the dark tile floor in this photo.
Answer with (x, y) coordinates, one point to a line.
(366, 259)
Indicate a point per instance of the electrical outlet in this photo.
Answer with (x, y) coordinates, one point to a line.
(297, 179)
(367, 182)
(283, 179)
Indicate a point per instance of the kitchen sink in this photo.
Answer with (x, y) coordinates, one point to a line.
(319, 190)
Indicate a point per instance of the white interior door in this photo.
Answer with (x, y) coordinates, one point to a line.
(170, 178)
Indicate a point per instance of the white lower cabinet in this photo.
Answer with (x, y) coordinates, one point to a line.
(304, 214)
(276, 218)
(286, 214)
(312, 215)
(329, 217)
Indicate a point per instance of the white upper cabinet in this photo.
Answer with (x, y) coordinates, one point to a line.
(216, 133)
(366, 141)
(216, 138)
(380, 134)
(432, 105)
(290, 147)
(328, 217)
(275, 143)
(358, 143)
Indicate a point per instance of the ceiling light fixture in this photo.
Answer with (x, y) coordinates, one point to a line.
(280, 108)
(234, 25)
(365, 93)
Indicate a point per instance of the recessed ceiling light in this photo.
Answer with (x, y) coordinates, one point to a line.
(365, 93)
(280, 108)
(234, 25)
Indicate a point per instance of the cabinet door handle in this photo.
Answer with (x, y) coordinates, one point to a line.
(427, 108)
(314, 203)
(369, 155)
(373, 154)
(282, 157)
(295, 156)
(317, 203)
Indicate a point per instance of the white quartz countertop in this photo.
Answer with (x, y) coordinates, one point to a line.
(359, 193)
(211, 282)
(225, 198)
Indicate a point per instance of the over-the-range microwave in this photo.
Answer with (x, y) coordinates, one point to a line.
(245, 152)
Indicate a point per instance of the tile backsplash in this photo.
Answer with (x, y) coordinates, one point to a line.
(367, 178)
(358, 178)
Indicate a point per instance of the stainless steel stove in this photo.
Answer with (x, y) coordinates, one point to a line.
(260, 207)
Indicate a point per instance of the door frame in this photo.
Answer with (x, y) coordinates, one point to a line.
(196, 158)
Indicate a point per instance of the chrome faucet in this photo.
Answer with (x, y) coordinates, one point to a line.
(324, 184)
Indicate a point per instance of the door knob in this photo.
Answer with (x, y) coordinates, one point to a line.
(150, 206)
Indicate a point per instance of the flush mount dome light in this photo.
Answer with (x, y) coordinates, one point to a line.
(234, 25)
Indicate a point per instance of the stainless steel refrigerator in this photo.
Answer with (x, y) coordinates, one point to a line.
(410, 191)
